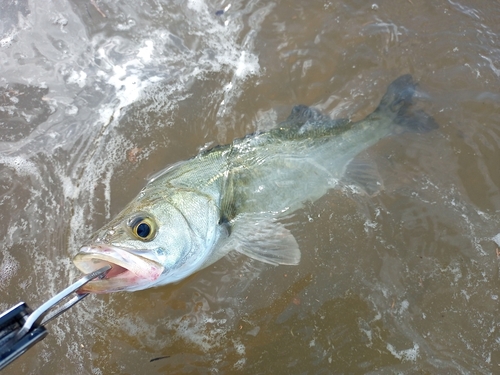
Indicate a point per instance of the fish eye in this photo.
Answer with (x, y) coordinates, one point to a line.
(143, 228)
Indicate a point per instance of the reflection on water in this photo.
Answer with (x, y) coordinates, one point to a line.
(95, 96)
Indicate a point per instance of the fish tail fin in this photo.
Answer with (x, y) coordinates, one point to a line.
(397, 103)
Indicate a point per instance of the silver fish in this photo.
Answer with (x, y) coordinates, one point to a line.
(232, 197)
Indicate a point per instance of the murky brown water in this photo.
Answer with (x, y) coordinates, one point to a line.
(406, 281)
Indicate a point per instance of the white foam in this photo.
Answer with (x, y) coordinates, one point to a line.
(77, 77)
(145, 52)
(8, 269)
(409, 355)
(7, 41)
(20, 164)
(247, 64)
(197, 5)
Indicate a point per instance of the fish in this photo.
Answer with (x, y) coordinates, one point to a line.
(236, 197)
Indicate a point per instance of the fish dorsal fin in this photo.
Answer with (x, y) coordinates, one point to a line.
(304, 119)
(260, 236)
(165, 170)
(302, 115)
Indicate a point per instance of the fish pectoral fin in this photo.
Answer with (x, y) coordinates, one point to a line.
(260, 236)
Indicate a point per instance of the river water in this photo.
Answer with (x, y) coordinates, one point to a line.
(97, 95)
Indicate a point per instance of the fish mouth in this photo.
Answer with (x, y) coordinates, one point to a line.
(128, 271)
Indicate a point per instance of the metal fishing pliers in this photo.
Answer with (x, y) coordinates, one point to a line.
(21, 328)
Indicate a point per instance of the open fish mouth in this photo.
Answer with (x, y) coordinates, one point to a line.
(128, 271)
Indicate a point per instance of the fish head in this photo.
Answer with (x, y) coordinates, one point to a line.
(159, 238)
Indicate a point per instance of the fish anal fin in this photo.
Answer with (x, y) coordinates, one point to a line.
(363, 172)
(260, 236)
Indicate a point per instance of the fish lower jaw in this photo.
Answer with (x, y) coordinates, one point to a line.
(115, 271)
(122, 281)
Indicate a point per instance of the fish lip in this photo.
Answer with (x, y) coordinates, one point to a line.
(129, 271)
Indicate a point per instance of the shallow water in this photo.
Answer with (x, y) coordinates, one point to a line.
(95, 96)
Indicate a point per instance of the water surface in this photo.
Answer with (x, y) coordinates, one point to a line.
(95, 96)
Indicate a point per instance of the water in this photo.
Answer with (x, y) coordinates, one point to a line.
(95, 96)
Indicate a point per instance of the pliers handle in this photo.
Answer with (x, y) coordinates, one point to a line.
(21, 328)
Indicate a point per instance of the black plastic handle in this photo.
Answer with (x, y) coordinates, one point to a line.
(11, 322)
